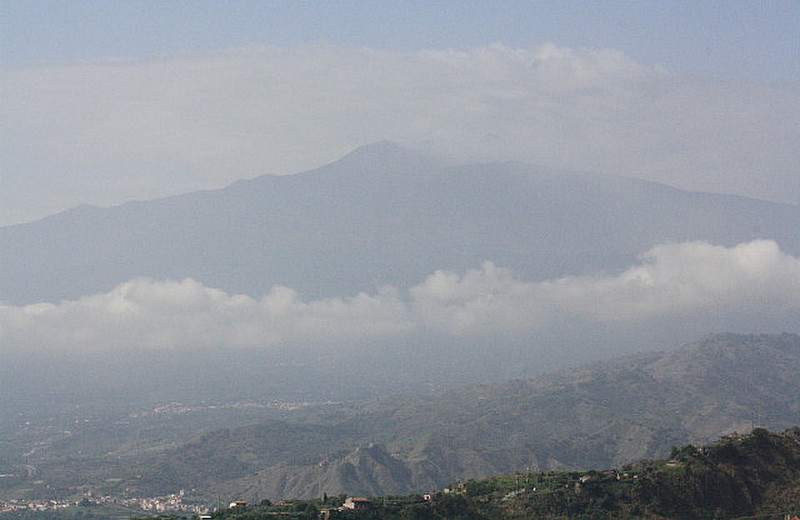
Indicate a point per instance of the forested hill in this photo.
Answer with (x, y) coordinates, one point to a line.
(739, 477)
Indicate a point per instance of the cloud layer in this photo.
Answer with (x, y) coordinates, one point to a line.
(106, 132)
(688, 281)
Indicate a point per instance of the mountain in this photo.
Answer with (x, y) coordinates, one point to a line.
(381, 215)
(738, 477)
(601, 415)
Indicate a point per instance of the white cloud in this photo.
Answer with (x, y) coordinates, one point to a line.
(144, 313)
(688, 281)
(105, 132)
(687, 278)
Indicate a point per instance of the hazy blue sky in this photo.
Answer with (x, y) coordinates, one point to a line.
(750, 39)
(108, 101)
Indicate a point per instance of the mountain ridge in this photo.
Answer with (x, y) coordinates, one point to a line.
(602, 415)
(739, 476)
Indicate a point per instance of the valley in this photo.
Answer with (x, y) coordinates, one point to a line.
(600, 415)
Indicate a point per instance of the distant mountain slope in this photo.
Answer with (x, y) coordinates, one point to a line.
(738, 477)
(603, 415)
(380, 215)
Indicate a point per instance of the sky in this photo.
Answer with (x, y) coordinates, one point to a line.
(755, 40)
(109, 101)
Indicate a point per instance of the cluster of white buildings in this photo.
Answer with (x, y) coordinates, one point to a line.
(165, 504)
(8, 506)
